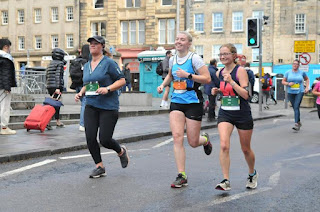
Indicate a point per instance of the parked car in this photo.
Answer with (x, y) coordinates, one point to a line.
(255, 93)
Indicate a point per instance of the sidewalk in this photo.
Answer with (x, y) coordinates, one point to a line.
(33, 144)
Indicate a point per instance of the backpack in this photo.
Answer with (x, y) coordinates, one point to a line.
(251, 77)
(265, 83)
(159, 69)
(76, 71)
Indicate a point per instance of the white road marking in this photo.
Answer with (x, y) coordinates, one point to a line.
(274, 179)
(303, 157)
(26, 168)
(163, 143)
(283, 120)
(240, 195)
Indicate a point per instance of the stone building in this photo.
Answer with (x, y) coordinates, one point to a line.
(35, 27)
(224, 21)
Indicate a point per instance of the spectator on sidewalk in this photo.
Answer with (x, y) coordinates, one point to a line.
(251, 78)
(235, 111)
(7, 81)
(266, 86)
(316, 91)
(208, 87)
(55, 81)
(76, 74)
(127, 76)
(187, 71)
(294, 80)
(165, 67)
(102, 77)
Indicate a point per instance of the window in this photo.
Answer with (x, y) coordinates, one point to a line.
(54, 14)
(166, 2)
(199, 22)
(258, 14)
(300, 23)
(199, 50)
(5, 17)
(38, 43)
(20, 16)
(237, 22)
(142, 34)
(166, 31)
(69, 14)
(296, 55)
(54, 41)
(239, 48)
(130, 30)
(37, 16)
(69, 41)
(98, 4)
(21, 43)
(215, 52)
(255, 55)
(133, 3)
(124, 32)
(217, 22)
(98, 28)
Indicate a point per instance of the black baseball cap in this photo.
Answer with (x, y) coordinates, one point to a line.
(97, 38)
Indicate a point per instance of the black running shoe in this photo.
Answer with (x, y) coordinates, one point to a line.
(124, 158)
(179, 182)
(208, 147)
(98, 172)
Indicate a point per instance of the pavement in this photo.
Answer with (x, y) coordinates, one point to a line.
(135, 124)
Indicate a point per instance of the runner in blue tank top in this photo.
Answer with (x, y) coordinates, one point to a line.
(234, 111)
(187, 71)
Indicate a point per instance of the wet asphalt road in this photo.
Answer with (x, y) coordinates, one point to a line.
(288, 164)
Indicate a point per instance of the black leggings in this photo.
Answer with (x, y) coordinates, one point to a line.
(318, 106)
(105, 121)
(51, 91)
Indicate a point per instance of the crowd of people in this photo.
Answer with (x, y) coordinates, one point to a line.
(97, 79)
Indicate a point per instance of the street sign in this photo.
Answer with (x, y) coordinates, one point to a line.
(304, 46)
(304, 58)
(304, 68)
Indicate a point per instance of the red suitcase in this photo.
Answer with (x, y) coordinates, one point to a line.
(39, 117)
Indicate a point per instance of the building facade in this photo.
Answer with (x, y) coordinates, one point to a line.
(35, 27)
(224, 21)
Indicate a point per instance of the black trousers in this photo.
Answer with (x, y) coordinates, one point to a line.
(105, 121)
(51, 92)
(318, 106)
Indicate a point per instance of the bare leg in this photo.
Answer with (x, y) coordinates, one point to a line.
(225, 130)
(245, 141)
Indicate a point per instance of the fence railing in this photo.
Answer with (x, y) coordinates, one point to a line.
(31, 81)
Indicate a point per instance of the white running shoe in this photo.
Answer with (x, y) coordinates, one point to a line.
(224, 185)
(7, 131)
(81, 128)
(252, 181)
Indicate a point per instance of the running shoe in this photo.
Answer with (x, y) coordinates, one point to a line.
(224, 185)
(252, 181)
(124, 158)
(98, 172)
(179, 182)
(208, 147)
(296, 127)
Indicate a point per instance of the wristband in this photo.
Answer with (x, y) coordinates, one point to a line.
(232, 83)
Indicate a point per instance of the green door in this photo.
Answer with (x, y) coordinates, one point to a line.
(149, 79)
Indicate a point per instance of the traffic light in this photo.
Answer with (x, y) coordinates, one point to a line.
(253, 26)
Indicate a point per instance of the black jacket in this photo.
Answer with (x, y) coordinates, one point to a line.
(55, 74)
(7, 72)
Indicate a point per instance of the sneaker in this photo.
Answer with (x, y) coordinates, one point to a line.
(61, 125)
(252, 181)
(98, 172)
(296, 127)
(124, 158)
(81, 128)
(300, 124)
(49, 127)
(208, 147)
(224, 185)
(180, 181)
(7, 131)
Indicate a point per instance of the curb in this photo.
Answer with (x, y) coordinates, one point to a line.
(50, 152)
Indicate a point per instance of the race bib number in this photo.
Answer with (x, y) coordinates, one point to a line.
(91, 88)
(180, 85)
(295, 86)
(230, 103)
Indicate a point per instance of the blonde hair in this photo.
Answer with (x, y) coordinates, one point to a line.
(232, 49)
(189, 36)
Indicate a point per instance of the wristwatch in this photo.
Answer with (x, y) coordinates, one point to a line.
(190, 76)
(109, 90)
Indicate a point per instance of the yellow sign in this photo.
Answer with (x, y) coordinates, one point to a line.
(304, 46)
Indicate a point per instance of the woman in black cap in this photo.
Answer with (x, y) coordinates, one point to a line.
(102, 78)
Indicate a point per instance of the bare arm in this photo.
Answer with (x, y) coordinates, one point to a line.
(244, 82)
